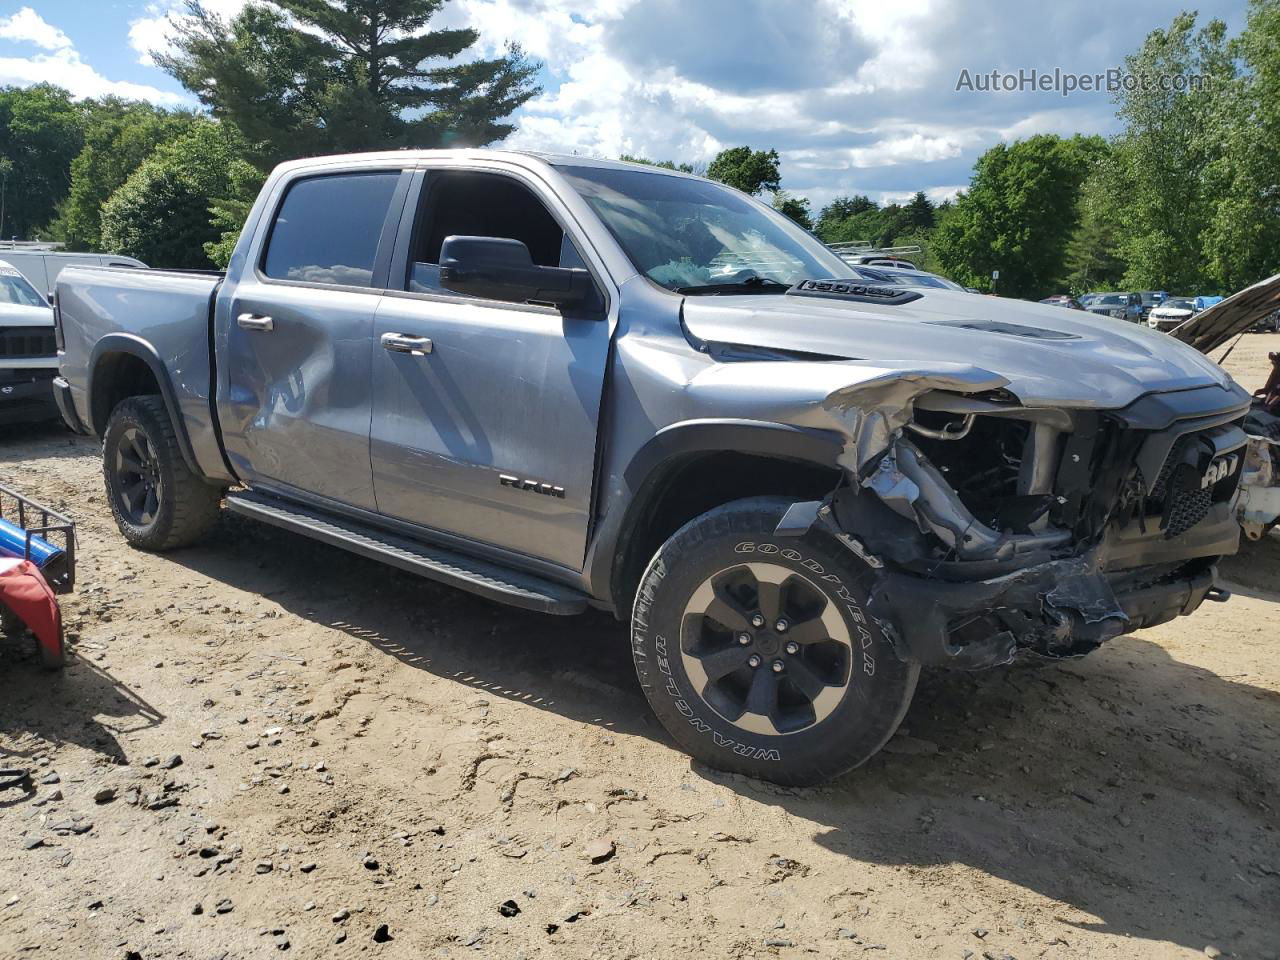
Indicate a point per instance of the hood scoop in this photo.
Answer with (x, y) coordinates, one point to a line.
(851, 290)
(1008, 329)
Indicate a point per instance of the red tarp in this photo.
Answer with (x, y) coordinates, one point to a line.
(24, 591)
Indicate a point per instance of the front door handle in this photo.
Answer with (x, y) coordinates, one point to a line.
(404, 343)
(255, 321)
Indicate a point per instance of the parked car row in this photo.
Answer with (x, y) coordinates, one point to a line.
(1158, 309)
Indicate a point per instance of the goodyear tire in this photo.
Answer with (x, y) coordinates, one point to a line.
(757, 653)
(157, 502)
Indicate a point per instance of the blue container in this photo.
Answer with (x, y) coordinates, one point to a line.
(13, 543)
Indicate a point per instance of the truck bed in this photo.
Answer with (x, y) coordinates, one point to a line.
(160, 316)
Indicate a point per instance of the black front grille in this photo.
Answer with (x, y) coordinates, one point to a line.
(18, 343)
(1185, 510)
(1182, 496)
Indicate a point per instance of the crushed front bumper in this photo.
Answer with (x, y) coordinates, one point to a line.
(1058, 609)
(1089, 527)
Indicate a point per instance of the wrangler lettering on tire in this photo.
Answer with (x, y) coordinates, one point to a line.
(757, 654)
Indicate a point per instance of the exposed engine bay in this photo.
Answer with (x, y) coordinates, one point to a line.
(993, 527)
(1260, 493)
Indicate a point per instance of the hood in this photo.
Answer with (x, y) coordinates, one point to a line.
(18, 315)
(1215, 325)
(1050, 356)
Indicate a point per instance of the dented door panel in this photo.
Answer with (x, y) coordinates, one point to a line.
(296, 399)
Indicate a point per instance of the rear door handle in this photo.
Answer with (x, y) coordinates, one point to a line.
(255, 321)
(404, 343)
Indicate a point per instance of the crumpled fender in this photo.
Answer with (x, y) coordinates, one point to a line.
(874, 409)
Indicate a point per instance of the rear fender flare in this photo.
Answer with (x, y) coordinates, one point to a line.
(126, 343)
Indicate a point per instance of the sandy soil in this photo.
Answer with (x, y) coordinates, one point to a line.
(310, 752)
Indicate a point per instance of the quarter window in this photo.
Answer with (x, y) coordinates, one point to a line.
(327, 229)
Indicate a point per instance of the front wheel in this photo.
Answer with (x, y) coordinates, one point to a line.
(158, 503)
(757, 652)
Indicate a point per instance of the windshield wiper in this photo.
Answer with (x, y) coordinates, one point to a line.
(750, 285)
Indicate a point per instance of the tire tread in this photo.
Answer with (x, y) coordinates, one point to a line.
(195, 505)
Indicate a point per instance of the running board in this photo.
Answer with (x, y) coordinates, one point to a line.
(476, 576)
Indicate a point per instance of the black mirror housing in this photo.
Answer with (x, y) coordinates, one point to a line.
(499, 268)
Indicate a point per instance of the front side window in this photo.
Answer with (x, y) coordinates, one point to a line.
(693, 235)
(15, 289)
(327, 229)
(467, 203)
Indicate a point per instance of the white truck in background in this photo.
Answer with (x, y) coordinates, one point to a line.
(28, 352)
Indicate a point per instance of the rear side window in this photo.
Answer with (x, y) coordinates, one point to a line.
(327, 229)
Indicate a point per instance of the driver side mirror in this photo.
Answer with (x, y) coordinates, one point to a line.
(498, 268)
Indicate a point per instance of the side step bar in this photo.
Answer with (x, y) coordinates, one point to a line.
(476, 576)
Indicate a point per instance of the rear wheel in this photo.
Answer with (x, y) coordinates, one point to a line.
(757, 652)
(158, 503)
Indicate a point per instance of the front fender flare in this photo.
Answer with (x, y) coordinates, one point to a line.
(668, 449)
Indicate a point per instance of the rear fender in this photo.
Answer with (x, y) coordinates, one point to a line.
(116, 344)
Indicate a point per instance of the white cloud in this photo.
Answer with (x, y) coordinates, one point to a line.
(857, 97)
(63, 65)
(604, 100)
(150, 33)
(911, 148)
(27, 26)
(935, 194)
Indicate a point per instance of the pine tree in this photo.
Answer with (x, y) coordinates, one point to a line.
(305, 77)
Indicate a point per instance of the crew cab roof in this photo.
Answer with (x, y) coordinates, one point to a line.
(529, 159)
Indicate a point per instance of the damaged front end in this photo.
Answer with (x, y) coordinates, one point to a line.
(991, 527)
(1260, 484)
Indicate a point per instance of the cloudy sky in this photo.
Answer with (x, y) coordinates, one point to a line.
(858, 96)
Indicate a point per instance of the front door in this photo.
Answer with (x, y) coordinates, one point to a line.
(485, 412)
(294, 370)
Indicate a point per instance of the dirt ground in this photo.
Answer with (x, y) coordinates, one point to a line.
(308, 752)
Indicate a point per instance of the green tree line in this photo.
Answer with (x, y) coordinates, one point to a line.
(283, 79)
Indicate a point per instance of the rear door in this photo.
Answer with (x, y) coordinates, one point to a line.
(488, 431)
(294, 361)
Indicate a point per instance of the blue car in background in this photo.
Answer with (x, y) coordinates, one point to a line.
(1202, 303)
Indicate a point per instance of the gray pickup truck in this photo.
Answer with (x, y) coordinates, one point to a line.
(560, 383)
